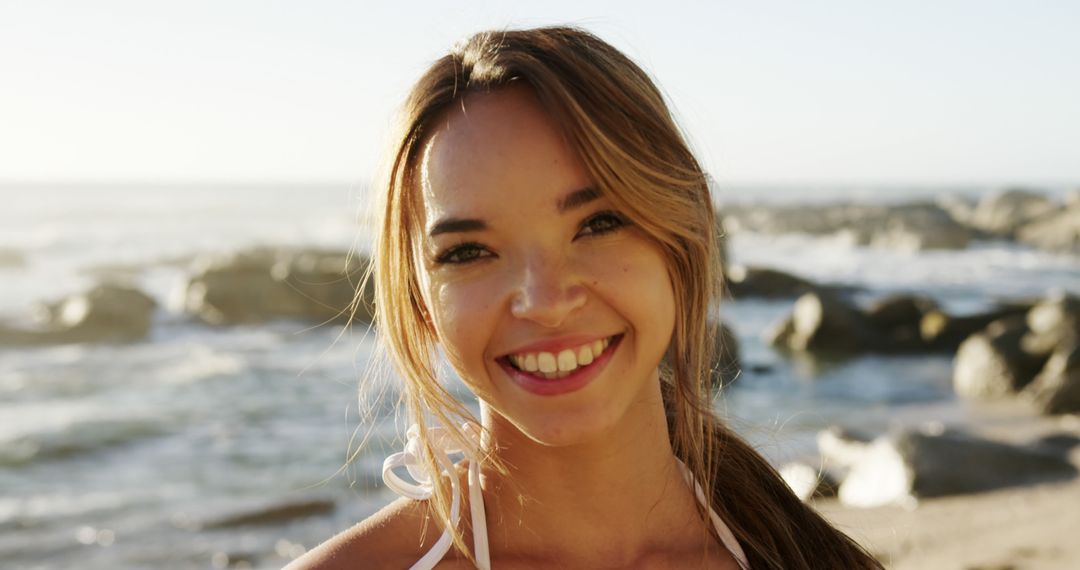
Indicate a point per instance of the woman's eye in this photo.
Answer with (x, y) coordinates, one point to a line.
(602, 223)
(463, 253)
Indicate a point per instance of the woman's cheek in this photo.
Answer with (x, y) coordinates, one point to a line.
(461, 313)
(632, 266)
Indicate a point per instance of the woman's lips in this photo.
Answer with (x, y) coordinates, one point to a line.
(558, 382)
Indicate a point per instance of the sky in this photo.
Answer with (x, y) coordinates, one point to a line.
(828, 92)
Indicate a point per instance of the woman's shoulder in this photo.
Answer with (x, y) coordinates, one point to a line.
(395, 537)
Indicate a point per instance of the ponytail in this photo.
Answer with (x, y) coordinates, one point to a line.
(775, 528)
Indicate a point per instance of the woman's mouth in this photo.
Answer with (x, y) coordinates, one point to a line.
(541, 371)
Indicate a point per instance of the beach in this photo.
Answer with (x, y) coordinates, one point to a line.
(1018, 528)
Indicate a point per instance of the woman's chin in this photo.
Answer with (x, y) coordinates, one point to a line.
(567, 429)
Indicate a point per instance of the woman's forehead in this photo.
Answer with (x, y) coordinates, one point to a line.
(496, 147)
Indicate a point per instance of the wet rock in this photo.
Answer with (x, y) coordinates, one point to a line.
(912, 227)
(898, 318)
(842, 447)
(993, 364)
(814, 219)
(1061, 442)
(106, 313)
(761, 368)
(943, 332)
(1056, 389)
(808, 482)
(899, 311)
(961, 208)
(1052, 322)
(743, 282)
(918, 227)
(778, 334)
(264, 284)
(778, 220)
(1002, 213)
(932, 462)
(824, 323)
(1059, 231)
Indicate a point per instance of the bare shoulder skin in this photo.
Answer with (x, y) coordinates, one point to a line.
(391, 538)
(395, 537)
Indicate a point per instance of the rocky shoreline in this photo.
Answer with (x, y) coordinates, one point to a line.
(1023, 353)
(1028, 525)
(950, 222)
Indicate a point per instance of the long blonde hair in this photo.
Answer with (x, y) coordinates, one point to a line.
(615, 119)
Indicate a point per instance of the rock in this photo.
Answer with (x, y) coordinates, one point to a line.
(807, 482)
(265, 284)
(1056, 389)
(943, 332)
(1059, 231)
(899, 311)
(823, 323)
(761, 368)
(745, 282)
(106, 313)
(898, 318)
(779, 333)
(842, 447)
(912, 227)
(933, 462)
(992, 364)
(814, 219)
(918, 227)
(1060, 442)
(1052, 322)
(961, 208)
(1002, 213)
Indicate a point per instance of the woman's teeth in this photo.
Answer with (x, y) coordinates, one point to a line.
(551, 365)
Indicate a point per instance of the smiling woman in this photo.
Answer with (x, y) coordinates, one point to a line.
(546, 226)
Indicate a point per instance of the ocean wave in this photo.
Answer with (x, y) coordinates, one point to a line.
(56, 434)
(202, 363)
(986, 269)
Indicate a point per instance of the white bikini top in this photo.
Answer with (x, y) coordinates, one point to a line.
(424, 486)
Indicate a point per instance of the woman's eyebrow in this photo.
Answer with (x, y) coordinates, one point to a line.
(573, 200)
(577, 198)
(456, 225)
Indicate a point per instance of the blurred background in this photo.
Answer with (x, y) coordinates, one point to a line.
(181, 184)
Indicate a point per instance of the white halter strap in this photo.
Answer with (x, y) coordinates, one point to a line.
(726, 536)
(422, 490)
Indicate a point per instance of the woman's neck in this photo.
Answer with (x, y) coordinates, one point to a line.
(614, 499)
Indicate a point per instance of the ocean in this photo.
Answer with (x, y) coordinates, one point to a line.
(189, 448)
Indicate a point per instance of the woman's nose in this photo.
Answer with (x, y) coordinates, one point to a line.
(547, 293)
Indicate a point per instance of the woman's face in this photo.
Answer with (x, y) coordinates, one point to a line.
(550, 305)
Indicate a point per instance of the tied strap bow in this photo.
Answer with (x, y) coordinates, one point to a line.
(442, 445)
